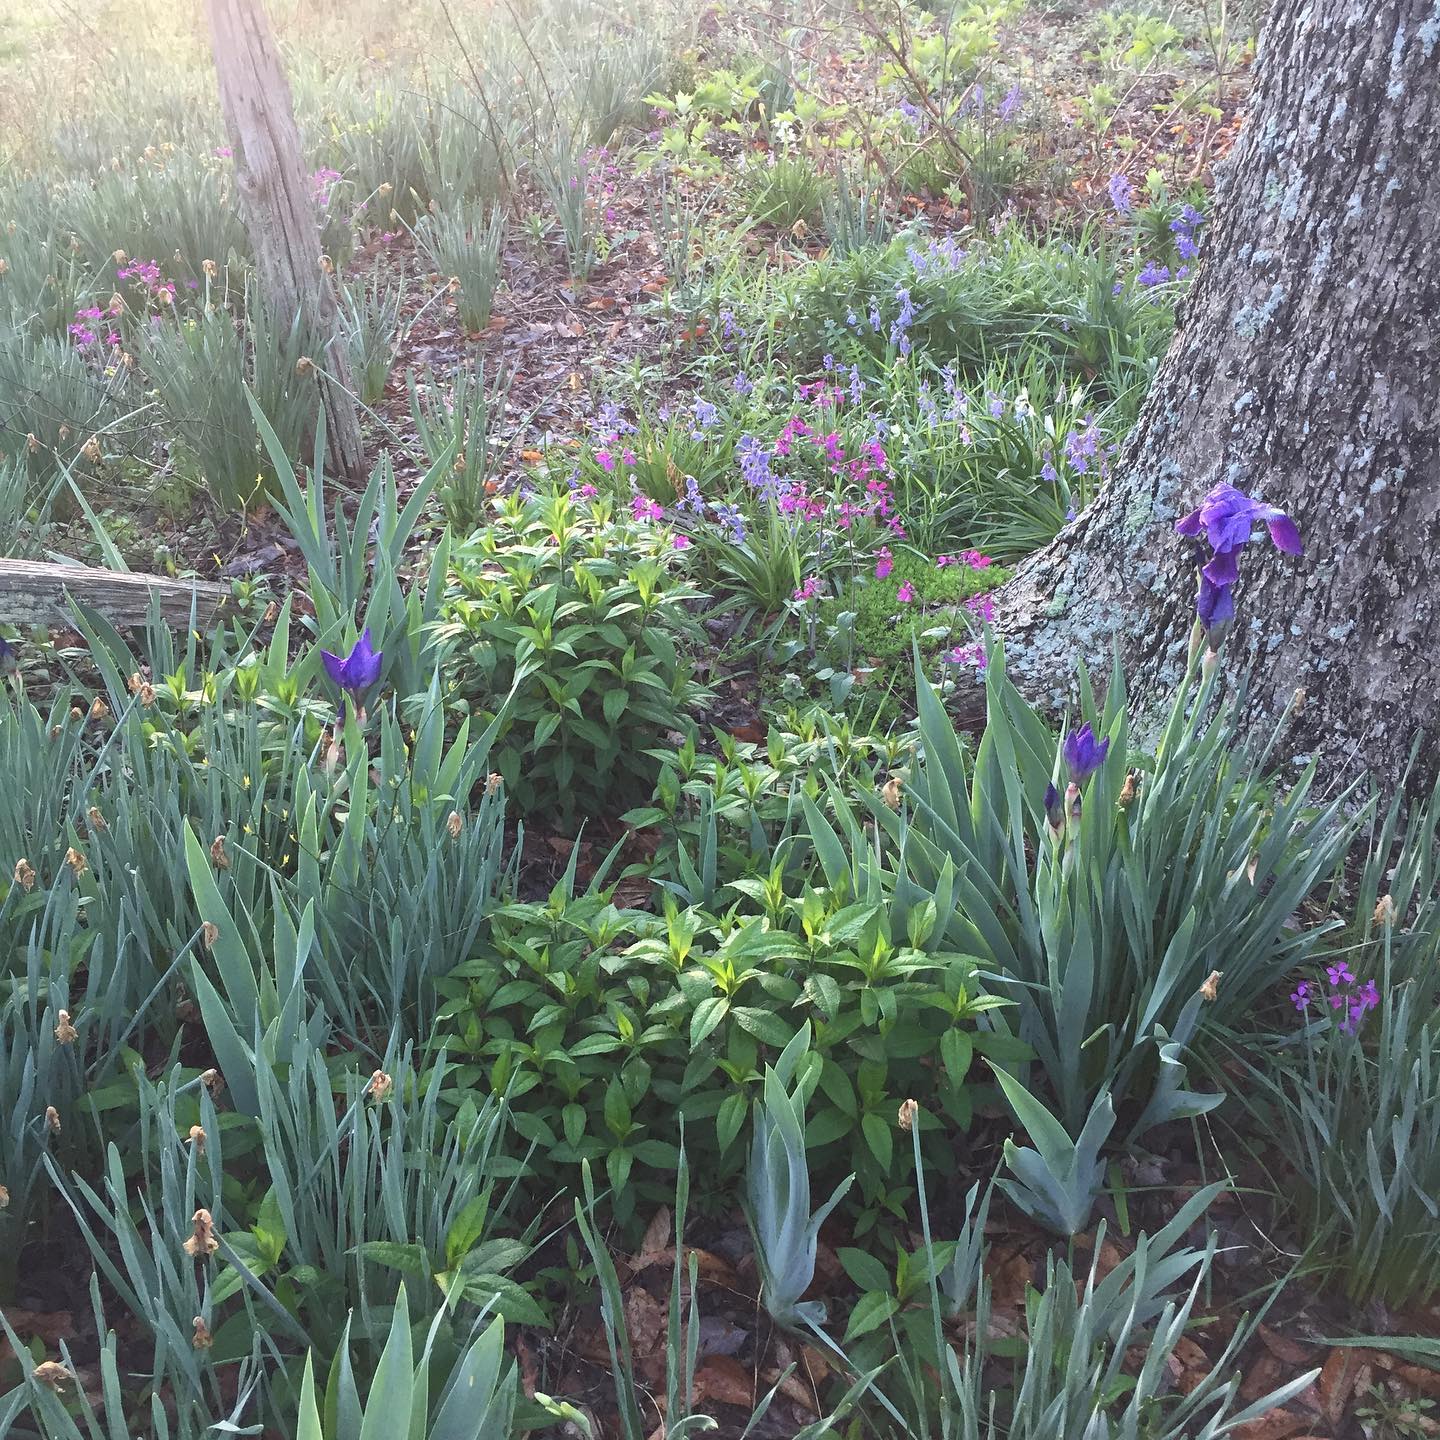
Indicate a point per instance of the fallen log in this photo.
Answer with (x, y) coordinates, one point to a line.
(36, 593)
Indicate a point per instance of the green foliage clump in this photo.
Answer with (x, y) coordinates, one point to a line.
(568, 627)
(886, 628)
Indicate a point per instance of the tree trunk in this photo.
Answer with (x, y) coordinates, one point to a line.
(1305, 370)
(280, 209)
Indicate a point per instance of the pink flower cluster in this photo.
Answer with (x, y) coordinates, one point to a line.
(147, 273)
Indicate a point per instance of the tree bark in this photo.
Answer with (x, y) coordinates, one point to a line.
(1305, 370)
(280, 208)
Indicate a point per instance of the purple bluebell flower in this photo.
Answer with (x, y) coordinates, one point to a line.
(1121, 193)
(1010, 105)
(1084, 755)
(1153, 275)
(358, 671)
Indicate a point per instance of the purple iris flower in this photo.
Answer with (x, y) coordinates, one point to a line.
(1084, 755)
(1228, 517)
(7, 652)
(358, 671)
(1215, 605)
(1054, 807)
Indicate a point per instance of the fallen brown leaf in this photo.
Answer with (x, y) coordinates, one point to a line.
(1277, 1425)
(1263, 1376)
(1292, 1352)
(657, 1232)
(724, 1379)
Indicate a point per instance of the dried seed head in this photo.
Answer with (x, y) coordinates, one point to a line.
(56, 731)
(890, 794)
(98, 709)
(52, 1119)
(1300, 697)
(117, 303)
(1129, 790)
(96, 820)
(327, 265)
(197, 1139)
(4, 265)
(213, 1081)
(210, 268)
(454, 286)
(53, 1374)
(202, 1339)
(24, 874)
(119, 257)
(304, 366)
(76, 713)
(32, 443)
(65, 1032)
(76, 861)
(454, 824)
(1252, 867)
(272, 613)
(493, 781)
(203, 1242)
(209, 933)
(380, 1086)
(1211, 987)
(385, 188)
(908, 1111)
(91, 450)
(1384, 911)
(459, 466)
(4, 1197)
(218, 858)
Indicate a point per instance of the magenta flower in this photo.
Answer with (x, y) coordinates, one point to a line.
(681, 542)
(644, 508)
(358, 671)
(605, 460)
(810, 589)
(906, 593)
(941, 561)
(883, 562)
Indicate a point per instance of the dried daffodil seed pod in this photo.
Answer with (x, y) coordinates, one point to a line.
(53, 1375)
(219, 858)
(202, 1339)
(1385, 911)
(65, 1032)
(76, 861)
(909, 1109)
(380, 1086)
(24, 874)
(1211, 986)
(454, 824)
(202, 1242)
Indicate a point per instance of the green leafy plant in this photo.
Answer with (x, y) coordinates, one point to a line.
(578, 621)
